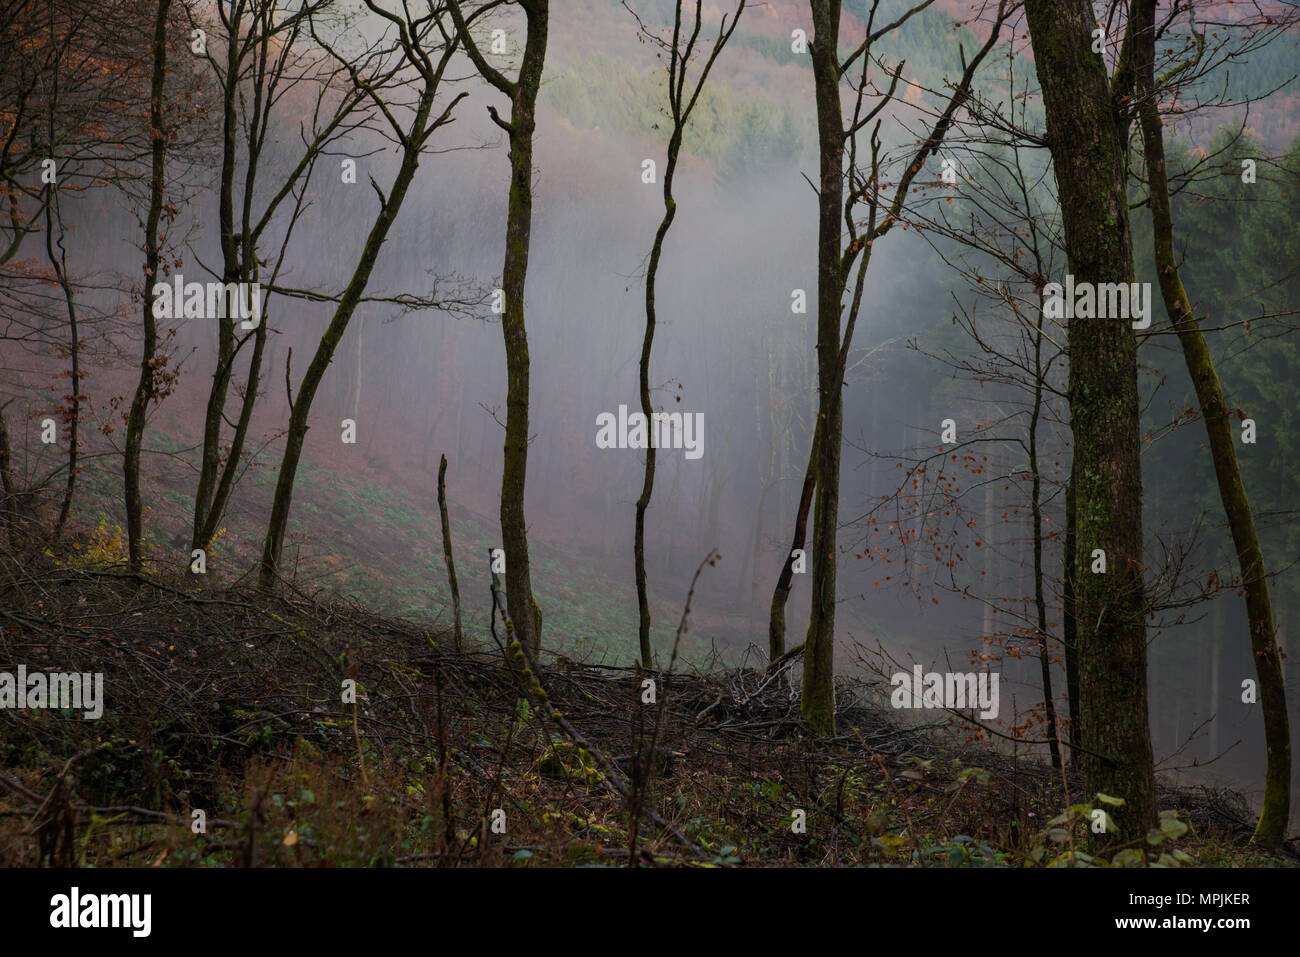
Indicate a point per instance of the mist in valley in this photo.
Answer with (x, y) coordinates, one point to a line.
(936, 564)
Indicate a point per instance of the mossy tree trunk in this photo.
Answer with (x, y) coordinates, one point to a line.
(522, 606)
(1087, 133)
(1271, 828)
(818, 692)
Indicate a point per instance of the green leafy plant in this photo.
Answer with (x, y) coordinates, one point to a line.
(1071, 828)
(963, 851)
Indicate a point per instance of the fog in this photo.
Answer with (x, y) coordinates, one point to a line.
(427, 382)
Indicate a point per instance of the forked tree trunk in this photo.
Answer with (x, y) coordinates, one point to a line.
(210, 460)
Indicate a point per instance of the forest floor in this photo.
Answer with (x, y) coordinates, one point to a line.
(229, 701)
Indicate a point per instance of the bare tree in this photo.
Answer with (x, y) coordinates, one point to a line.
(519, 128)
(1144, 32)
(146, 388)
(1007, 218)
(840, 197)
(420, 57)
(72, 127)
(681, 102)
(260, 67)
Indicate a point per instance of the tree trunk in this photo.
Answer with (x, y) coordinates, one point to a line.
(1069, 625)
(274, 543)
(145, 387)
(1040, 600)
(1271, 828)
(648, 480)
(446, 552)
(210, 460)
(525, 614)
(818, 694)
(1087, 133)
(7, 484)
(217, 506)
(785, 583)
(680, 103)
(59, 265)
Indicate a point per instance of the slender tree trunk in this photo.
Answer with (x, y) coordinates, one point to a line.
(1069, 625)
(648, 480)
(525, 614)
(255, 46)
(301, 408)
(1087, 133)
(681, 102)
(1040, 600)
(1271, 828)
(785, 583)
(59, 264)
(210, 461)
(217, 508)
(446, 552)
(145, 388)
(818, 695)
(7, 484)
